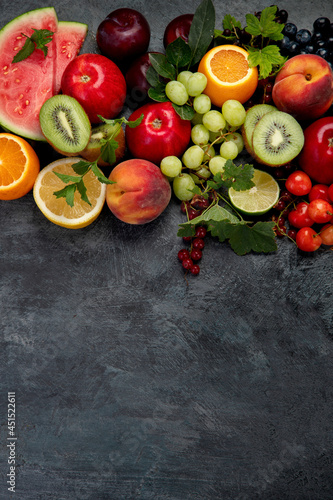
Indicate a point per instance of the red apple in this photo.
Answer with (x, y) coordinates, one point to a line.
(123, 34)
(140, 192)
(161, 133)
(316, 157)
(178, 27)
(97, 83)
(304, 87)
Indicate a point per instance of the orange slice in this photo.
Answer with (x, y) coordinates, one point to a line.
(228, 73)
(56, 209)
(19, 167)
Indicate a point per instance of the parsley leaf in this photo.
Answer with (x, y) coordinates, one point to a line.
(38, 40)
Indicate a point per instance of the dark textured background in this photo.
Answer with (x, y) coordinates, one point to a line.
(133, 384)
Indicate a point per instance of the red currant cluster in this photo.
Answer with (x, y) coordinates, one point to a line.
(190, 257)
(263, 93)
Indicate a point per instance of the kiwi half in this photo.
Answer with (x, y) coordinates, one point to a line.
(65, 124)
(277, 139)
(99, 134)
(253, 115)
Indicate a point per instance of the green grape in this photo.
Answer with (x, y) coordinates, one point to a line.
(193, 157)
(237, 138)
(216, 135)
(234, 113)
(229, 150)
(199, 134)
(196, 84)
(176, 92)
(171, 166)
(197, 118)
(209, 152)
(202, 103)
(184, 76)
(216, 164)
(182, 185)
(200, 175)
(214, 120)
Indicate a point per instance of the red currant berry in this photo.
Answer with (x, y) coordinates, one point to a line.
(187, 263)
(183, 254)
(196, 254)
(200, 232)
(187, 239)
(292, 234)
(195, 269)
(280, 205)
(198, 243)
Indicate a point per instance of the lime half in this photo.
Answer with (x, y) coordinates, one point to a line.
(260, 198)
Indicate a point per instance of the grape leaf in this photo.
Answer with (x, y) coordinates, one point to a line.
(185, 112)
(152, 76)
(266, 58)
(201, 30)
(230, 23)
(178, 53)
(158, 93)
(258, 238)
(37, 40)
(266, 26)
(161, 65)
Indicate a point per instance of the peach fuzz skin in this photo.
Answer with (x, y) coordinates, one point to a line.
(304, 87)
(140, 193)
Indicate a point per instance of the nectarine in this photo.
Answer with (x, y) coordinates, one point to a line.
(140, 192)
(304, 87)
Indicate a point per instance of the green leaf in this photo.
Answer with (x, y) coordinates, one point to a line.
(212, 215)
(108, 151)
(238, 176)
(38, 40)
(230, 23)
(100, 176)
(185, 112)
(258, 238)
(178, 53)
(266, 26)
(266, 59)
(162, 66)
(68, 178)
(81, 167)
(152, 76)
(201, 30)
(122, 120)
(218, 228)
(68, 193)
(158, 93)
(83, 191)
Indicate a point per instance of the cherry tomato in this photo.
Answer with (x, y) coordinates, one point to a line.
(326, 234)
(320, 211)
(319, 191)
(308, 240)
(298, 183)
(299, 217)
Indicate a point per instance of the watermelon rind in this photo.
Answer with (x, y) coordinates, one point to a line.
(26, 85)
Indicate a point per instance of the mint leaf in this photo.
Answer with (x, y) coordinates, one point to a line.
(68, 178)
(230, 23)
(178, 53)
(68, 193)
(266, 58)
(258, 238)
(38, 40)
(108, 151)
(81, 167)
(83, 191)
(100, 176)
(201, 30)
(161, 65)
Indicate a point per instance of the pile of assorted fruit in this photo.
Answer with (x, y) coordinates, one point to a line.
(236, 123)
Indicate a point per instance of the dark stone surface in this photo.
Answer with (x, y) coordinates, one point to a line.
(131, 383)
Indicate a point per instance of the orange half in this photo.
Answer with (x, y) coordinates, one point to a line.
(228, 73)
(19, 167)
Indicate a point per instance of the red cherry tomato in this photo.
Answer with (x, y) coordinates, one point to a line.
(308, 240)
(299, 183)
(320, 211)
(299, 217)
(326, 234)
(319, 191)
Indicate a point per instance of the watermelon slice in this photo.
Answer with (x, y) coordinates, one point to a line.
(69, 40)
(25, 86)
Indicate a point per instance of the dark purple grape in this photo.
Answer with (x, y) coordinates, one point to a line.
(322, 24)
(329, 43)
(303, 37)
(294, 48)
(316, 37)
(324, 53)
(290, 30)
(321, 44)
(285, 44)
(283, 16)
(309, 49)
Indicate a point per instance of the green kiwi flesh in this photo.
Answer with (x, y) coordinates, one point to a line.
(277, 139)
(253, 115)
(65, 124)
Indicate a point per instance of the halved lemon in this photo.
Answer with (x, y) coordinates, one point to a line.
(228, 73)
(260, 198)
(56, 209)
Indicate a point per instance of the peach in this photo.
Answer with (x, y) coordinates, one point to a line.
(140, 192)
(304, 87)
